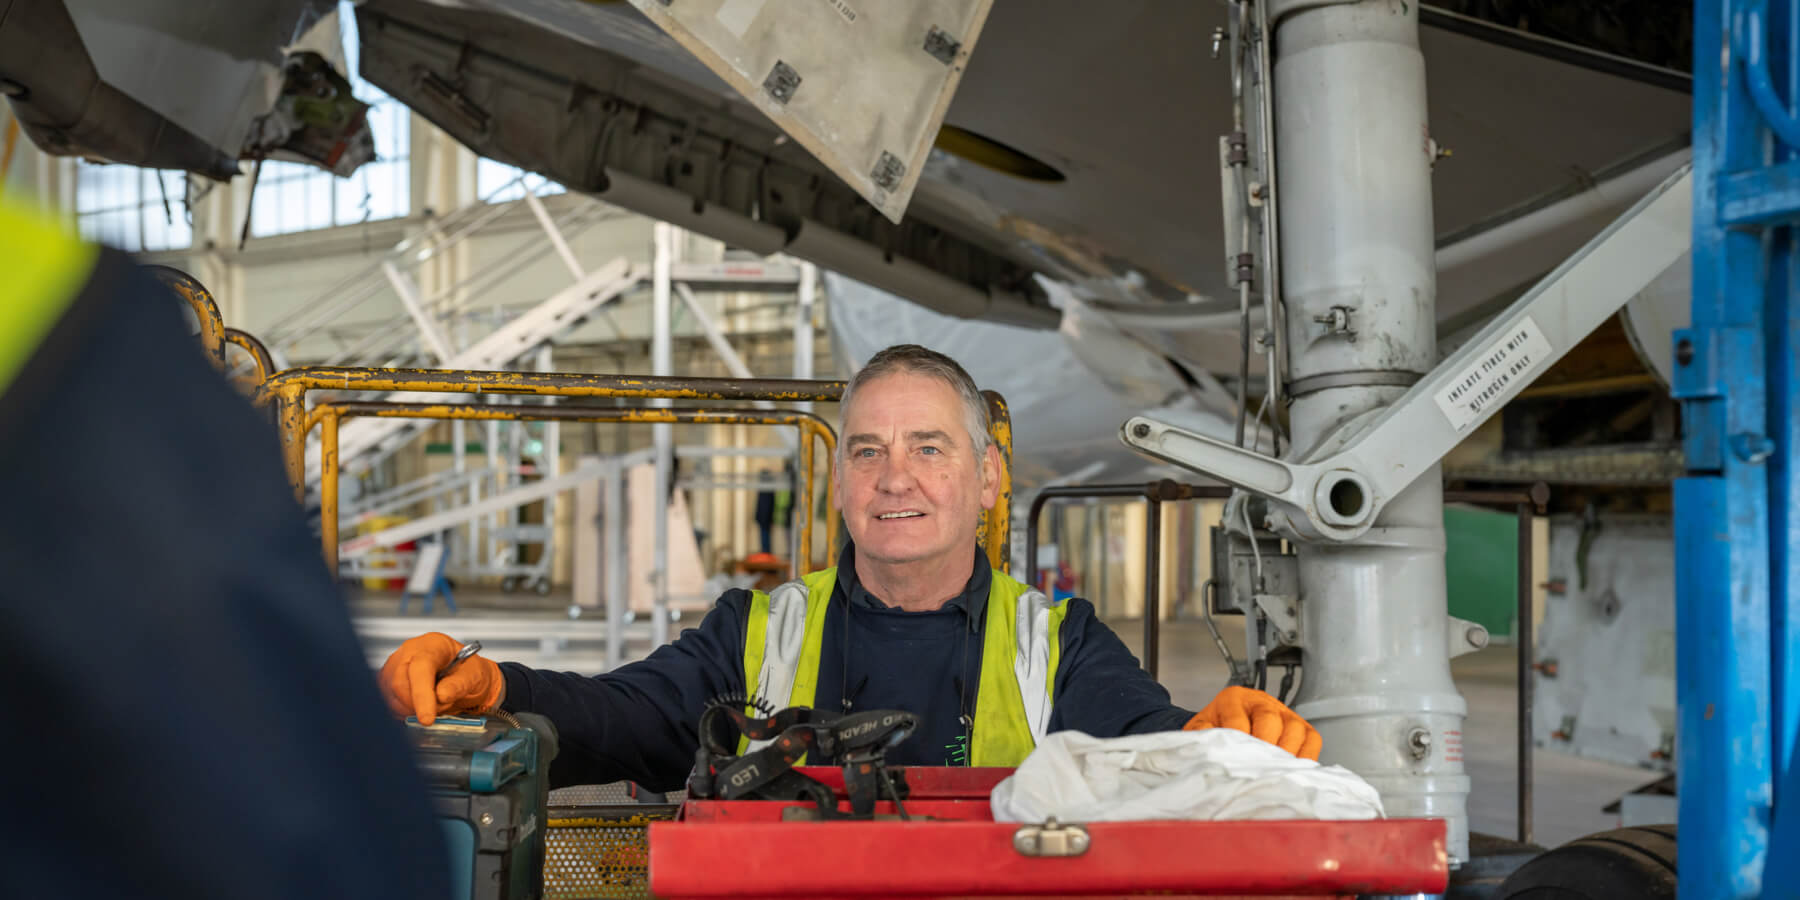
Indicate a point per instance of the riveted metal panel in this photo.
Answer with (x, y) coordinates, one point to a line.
(863, 85)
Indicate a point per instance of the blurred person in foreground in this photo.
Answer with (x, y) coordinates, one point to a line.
(192, 714)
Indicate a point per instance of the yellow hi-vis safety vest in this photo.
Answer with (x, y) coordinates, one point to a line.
(1019, 653)
(46, 267)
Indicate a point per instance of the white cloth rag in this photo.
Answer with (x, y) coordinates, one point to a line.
(1212, 774)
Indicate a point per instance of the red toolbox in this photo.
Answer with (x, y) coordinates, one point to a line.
(756, 848)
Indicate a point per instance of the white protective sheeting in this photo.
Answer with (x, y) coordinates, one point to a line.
(1215, 774)
(1607, 642)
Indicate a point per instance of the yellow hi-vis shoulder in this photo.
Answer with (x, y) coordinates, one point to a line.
(1021, 648)
(45, 269)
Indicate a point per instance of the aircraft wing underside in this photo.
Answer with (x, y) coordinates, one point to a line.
(1082, 145)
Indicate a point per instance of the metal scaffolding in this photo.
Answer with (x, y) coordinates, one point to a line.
(1737, 614)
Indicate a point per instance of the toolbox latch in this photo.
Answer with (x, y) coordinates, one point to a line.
(1051, 839)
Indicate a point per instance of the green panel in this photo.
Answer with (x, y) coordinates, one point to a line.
(446, 448)
(1482, 564)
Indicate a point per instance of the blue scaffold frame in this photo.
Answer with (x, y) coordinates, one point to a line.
(1737, 510)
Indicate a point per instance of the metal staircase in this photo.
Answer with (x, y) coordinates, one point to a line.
(433, 328)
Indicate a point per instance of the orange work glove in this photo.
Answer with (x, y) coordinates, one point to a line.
(410, 684)
(1263, 717)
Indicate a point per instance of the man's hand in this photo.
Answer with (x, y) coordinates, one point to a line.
(410, 684)
(1263, 717)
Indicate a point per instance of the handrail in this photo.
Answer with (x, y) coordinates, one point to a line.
(1525, 503)
(287, 391)
(1751, 47)
(259, 354)
(811, 426)
(206, 309)
(1156, 492)
(996, 523)
(412, 493)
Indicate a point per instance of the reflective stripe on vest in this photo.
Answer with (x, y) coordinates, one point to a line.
(45, 269)
(1021, 647)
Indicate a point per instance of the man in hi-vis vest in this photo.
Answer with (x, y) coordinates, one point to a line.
(913, 618)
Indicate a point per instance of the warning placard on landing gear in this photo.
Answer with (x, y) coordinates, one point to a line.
(1508, 364)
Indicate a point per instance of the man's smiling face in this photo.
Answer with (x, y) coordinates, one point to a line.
(911, 484)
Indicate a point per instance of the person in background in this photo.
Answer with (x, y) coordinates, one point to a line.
(770, 571)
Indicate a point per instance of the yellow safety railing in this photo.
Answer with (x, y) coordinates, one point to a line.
(996, 523)
(213, 333)
(287, 390)
(206, 309)
(329, 415)
(259, 354)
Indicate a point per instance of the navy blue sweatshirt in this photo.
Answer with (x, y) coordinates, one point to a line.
(640, 722)
(192, 713)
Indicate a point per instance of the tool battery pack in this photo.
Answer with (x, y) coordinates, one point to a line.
(489, 781)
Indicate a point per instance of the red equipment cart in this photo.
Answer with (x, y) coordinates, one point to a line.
(953, 847)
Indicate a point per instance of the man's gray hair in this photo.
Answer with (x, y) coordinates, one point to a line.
(912, 359)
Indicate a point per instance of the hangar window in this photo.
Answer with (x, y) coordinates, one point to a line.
(497, 182)
(292, 197)
(132, 209)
